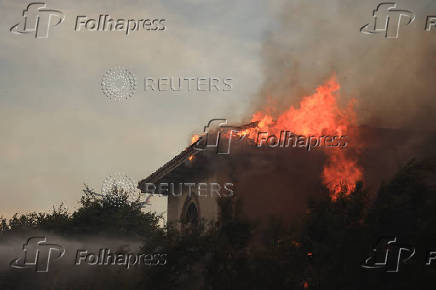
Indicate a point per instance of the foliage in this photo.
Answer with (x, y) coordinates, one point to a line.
(323, 250)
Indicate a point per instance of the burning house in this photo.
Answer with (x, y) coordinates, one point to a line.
(277, 164)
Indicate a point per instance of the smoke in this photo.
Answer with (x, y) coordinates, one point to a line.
(391, 79)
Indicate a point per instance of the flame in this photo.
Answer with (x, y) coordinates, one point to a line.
(194, 138)
(318, 115)
(191, 157)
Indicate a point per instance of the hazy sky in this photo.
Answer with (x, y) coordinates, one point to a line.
(59, 131)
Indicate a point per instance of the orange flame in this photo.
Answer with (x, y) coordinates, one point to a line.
(319, 115)
(194, 138)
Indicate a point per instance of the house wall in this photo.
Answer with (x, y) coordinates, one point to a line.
(177, 205)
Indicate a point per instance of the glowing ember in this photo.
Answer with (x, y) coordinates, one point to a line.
(319, 115)
(194, 138)
(190, 158)
(296, 244)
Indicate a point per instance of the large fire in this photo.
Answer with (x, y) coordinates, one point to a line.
(318, 115)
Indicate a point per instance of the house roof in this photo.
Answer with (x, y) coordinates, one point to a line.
(181, 159)
(171, 165)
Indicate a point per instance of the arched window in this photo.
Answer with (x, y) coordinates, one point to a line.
(191, 215)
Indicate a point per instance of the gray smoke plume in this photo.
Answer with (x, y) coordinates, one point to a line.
(392, 79)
